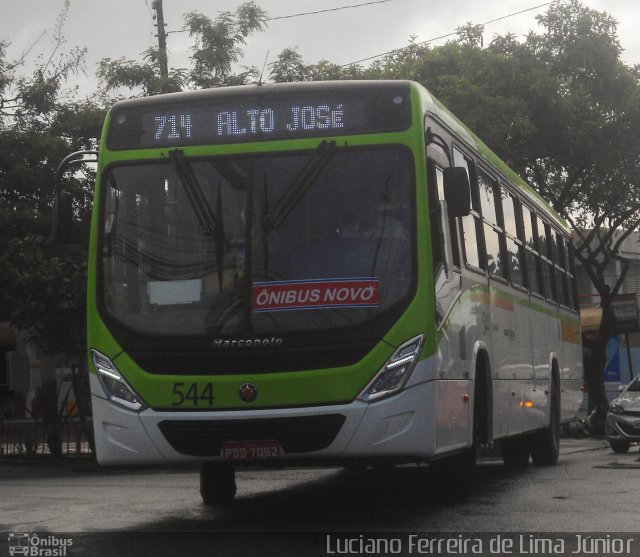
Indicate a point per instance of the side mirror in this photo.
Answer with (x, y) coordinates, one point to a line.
(621, 387)
(457, 191)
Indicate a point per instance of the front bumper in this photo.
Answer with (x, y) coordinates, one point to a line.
(623, 427)
(400, 427)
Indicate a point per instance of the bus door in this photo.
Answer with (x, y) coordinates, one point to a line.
(452, 412)
(444, 245)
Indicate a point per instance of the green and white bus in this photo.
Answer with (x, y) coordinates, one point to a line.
(324, 273)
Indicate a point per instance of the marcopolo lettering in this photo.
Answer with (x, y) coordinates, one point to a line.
(240, 343)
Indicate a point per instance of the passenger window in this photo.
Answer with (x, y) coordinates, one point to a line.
(547, 278)
(514, 262)
(486, 186)
(509, 212)
(542, 237)
(561, 285)
(437, 239)
(471, 224)
(528, 227)
(494, 257)
(453, 229)
(471, 243)
(556, 248)
(531, 263)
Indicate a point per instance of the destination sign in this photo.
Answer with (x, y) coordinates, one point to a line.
(222, 119)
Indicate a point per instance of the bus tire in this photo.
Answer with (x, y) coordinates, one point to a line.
(515, 452)
(217, 483)
(545, 445)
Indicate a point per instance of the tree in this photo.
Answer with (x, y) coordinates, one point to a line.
(217, 46)
(42, 287)
(563, 110)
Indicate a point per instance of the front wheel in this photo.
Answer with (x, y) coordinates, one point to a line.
(453, 476)
(217, 483)
(515, 452)
(545, 445)
(620, 447)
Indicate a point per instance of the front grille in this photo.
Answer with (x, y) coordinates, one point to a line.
(302, 434)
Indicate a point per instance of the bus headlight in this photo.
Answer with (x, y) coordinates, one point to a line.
(114, 386)
(394, 374)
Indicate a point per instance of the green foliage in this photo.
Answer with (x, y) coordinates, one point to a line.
(216, 48)
(217, 45)
(42, 289)
(145, 75)
(289, 67)
(47, 293)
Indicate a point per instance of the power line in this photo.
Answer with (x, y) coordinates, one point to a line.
(328, 10)
(150, 11)
(311, 13)
(443, 36)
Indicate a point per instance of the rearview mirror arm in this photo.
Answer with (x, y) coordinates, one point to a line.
(67, 162)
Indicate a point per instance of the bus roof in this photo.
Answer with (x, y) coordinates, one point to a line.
(429, 104)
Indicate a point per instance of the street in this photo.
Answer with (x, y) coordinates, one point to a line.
(114, 512)
(591, 489)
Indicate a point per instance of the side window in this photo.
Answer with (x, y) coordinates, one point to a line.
(434, 177)
(528, 239)
(569, 281)
(562, 279)
(509, 204)
(453, 227)
(486, 187)
(471, 224)
(513, 246)
(548, 274)
(493, 233)
(573, 304)
(530, 250)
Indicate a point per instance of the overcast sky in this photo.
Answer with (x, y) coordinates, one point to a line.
(124, 28)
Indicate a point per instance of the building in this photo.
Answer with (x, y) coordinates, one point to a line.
(623, 351)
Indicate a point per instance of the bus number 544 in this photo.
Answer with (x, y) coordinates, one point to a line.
(192, 394)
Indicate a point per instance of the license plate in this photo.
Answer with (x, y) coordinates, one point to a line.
(251, 450)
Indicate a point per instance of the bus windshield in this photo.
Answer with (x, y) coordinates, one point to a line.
(258, 243)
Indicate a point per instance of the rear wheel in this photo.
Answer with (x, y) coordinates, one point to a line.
(545, 445)
(620, 447)
(217, 483)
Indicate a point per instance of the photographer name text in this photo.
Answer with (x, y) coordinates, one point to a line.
(497, 544)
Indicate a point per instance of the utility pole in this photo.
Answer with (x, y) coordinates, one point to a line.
(162, 38)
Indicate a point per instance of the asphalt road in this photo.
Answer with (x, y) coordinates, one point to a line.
(590, 490)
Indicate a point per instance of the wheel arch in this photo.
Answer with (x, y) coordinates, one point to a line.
(482, 395)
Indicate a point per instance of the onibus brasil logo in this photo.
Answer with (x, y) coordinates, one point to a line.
(38, 545)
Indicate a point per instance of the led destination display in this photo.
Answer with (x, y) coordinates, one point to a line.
(219, 118)
(247, 122)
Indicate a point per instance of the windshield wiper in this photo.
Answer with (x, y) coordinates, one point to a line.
(210, 225)
(299, 186)
(195, 195)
